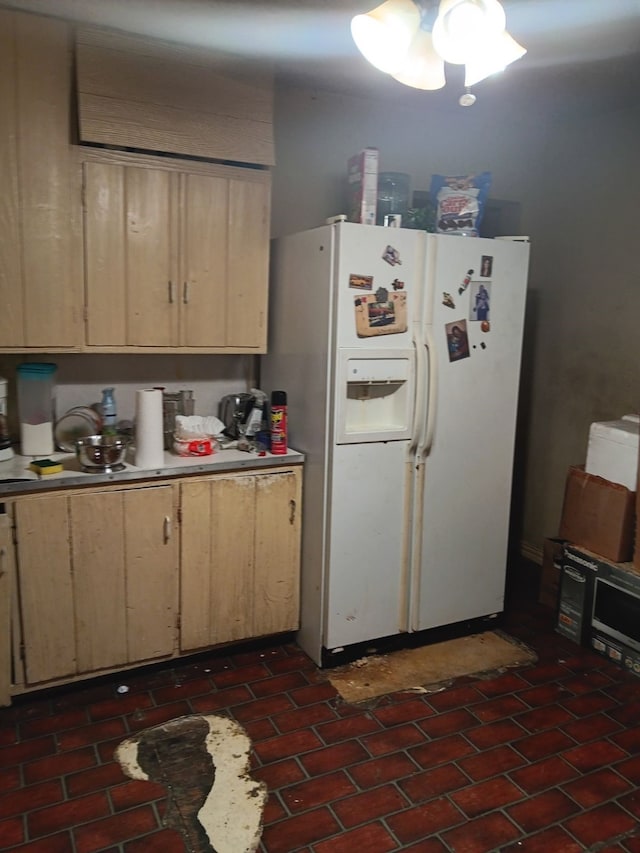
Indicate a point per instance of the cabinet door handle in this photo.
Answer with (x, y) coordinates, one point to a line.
(170, 283)
(167, 529)
(185, 292)
(292, 511)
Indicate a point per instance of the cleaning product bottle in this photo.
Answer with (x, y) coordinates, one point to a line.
(109, 415)
(278, 423)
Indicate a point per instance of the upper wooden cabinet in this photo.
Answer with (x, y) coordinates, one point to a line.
(176, 254)
(160, 96)
(40, 240)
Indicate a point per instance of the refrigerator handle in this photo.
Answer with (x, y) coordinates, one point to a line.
(429, 422)
(420, 395)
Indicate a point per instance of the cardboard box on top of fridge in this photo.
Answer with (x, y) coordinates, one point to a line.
(612, 451)
(552, 551)
(362, 181)
(598, 515)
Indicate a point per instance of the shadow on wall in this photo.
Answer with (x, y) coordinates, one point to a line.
(523, 424)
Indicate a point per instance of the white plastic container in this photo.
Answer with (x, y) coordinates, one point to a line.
(36, 407)
(612, 451)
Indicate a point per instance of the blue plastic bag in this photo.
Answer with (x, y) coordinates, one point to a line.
(459, 201)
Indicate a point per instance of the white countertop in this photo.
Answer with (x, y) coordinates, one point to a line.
(72, 475)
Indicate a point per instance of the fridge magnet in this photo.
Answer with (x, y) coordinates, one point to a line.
(465, 282)
(457, 340)
(480, 300)
(382, 313)
(391, 256)
(485, 326)
(361, 282)
(397, 285)
(447, 300)
(483, 345)
(486, 266)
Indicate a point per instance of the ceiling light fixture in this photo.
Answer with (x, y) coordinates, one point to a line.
(410, 41)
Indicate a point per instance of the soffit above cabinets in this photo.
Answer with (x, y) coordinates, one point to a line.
(157, 96)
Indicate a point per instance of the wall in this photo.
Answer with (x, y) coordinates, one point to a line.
(574, 180)
(81, 378)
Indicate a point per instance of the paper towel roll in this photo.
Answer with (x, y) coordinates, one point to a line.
(149, 429)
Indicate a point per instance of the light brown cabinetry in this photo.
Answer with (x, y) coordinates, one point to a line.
(40, 239)
(240, 553)
(176, 255)
(110, 577)
(98, 579)
(7, 570)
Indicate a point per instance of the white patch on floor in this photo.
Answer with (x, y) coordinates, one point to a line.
(232, 813)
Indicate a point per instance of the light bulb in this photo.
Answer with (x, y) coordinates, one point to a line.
(383, 35)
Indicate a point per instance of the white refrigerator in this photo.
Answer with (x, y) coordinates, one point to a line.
(400, 355)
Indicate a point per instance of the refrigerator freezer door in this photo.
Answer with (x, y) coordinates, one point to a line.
(377, 280)
(365, 554)
(463, 481)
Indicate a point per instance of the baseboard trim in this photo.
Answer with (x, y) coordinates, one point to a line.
(531, 552)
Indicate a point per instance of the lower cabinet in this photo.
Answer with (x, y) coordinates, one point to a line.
(113, 576)
(98, 579)
(239, 561)
(7, 571)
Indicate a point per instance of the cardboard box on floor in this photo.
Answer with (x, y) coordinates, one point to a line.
(552, 551)
(598, 515)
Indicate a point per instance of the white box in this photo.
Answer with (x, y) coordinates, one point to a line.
(362, 180)
(612, 451)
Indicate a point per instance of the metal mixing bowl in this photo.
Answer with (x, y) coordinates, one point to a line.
(101, 453)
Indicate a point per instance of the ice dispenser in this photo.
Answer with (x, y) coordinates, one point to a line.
(375, 395)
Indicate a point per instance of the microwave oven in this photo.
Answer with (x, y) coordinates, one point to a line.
(599, 606)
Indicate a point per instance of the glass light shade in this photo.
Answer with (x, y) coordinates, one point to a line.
(383, 35)
(499, 53)
(423, 68)
(462, 27)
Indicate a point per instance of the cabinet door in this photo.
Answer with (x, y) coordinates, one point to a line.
(131, 286)
(125, 576)
(240, 558)
(7, 568)
(40, 264)
(248, 264)
(98, 579)
(276, 585)
(204, 234)
(217, 561)
(45, 580)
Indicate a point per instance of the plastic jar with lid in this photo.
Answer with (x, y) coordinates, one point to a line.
(36, 407)
(393, 195)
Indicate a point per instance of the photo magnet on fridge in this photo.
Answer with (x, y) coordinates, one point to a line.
(391, 256)
(457, 340)
(447, 300)
(361, 282)
(480, 297)
(381, 313)
(486, 266)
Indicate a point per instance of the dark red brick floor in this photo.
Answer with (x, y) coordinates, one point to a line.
(543, 759)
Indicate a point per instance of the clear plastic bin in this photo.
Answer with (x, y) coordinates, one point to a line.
(36, 407)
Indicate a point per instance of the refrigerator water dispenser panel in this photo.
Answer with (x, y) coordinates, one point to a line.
(374, 395)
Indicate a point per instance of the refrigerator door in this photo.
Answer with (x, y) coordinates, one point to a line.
(474, 312)
(377, 277)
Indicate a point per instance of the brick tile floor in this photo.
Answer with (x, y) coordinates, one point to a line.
(543, 759)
